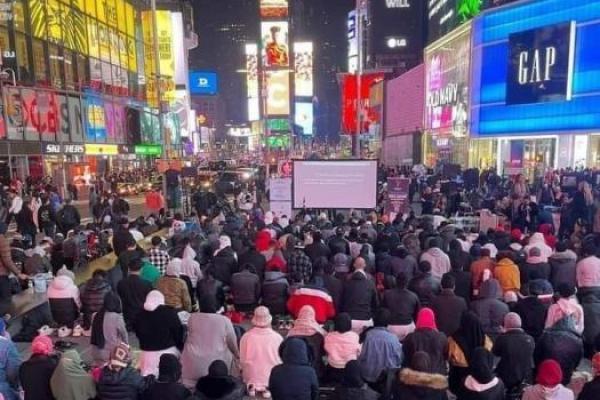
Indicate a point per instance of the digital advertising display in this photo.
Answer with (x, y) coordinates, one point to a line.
(445, 15)
(203, 83)
(334, 184)
(350, 106)
(278, 92)
(273, 8)
(303, 60)
(252, 81)
(447, 85)
(539, 76)
(304, 117)
(275, 44)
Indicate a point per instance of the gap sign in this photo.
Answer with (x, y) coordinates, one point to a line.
(203, 83)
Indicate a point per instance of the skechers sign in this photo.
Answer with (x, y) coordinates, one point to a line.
(540, 64)
(535, 68)
(203, 83)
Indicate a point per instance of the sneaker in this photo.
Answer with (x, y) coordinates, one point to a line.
(45, 331)
(64, 332)
(77, 331)
(251, 391)
(266, 394)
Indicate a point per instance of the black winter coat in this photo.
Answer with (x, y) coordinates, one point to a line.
(490, 309)
(257, 260)
(360, 297)
(448, 309)
(463, 284)
(275, 292)
(166, 391)
(338, 244)
(591, 390)
(93, 294)
(531, 272)
(416, 385)
(591, 318)
(335, 287)
(563, 344)
(133, 291)
(562, 269)
(406, 265)
(515, 350)
(225, 265)
(212, 288)
(533, 314)
(314, 251)
(35, 375)
(221, 388)
(126, 384)
(245, 288)
(159, 329)
(295, 379)
(121, 238)
(426, 287)
(403, 305)
(430, 341)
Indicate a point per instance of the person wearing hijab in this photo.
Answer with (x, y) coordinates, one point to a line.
(259, 352)
(174, 288)
(461, 345)
(225, 260)
(418, 382)
(159, 331)
(342, 346)
(427, 338)
(489, 308)
(36, 372)
(70, 380)
(108, 328)
(10, 361)
(566, 306)
(481, 383)
(295, 378)
(167, 386)
(548, 384)
(307, 327)
(219, 385)
(353, 386)
(210, 337)
(118, 380)
(591, 390)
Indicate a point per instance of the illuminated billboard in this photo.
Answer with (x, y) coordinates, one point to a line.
(252, 81)
(349, 102)
(278, 92)
(203, 83)
(273, 8)
(304, 117)
(303, 60)
(275, 43)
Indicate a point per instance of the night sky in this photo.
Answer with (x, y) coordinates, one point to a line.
(224, 26)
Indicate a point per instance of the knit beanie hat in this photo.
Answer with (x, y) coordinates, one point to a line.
(169, 368)
(549, 373)
(512, 321)
(42, 345)
(119, 357)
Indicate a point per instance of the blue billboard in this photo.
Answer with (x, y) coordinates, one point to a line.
(203, 83)
(536, 69)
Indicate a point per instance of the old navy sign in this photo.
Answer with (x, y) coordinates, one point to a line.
(540, 65)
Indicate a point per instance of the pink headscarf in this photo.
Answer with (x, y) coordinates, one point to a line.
(426, 319)
(42, 345)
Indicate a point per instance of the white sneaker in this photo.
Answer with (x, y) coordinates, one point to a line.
(266, 394)
(77, 331)
(64, 332)
(45, 331)
(251, 391)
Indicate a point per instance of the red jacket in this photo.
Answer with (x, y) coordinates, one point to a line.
(318, 299)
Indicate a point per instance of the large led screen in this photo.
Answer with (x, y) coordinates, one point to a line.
(278, 92)
(275, 44)
(303, 60)
(335, 184)
(273, 8)
(304, 117)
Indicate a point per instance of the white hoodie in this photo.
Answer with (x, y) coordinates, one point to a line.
(537, 240)
(440, 262)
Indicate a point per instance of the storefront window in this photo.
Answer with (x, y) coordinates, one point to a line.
(4, 41)
(483, 153)
(56, 65)
(69, 67)
(39, 62)
(82, 76)
(24, 70)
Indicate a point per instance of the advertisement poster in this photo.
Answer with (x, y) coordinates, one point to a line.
(278, 93)
(304, 117)
(252, 82)
(280, 189)
(30, 114)
(95, 119)
(515, 165)
(273, 8)
(447, 89)
(349, 106)
(398, 191)
(281, 208)
(14, 114)
(275, 44)
(75, 119)
(48, 115)
(303, 60)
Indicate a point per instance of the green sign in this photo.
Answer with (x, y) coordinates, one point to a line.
(148, 149)
(281, 142)
(278, 124)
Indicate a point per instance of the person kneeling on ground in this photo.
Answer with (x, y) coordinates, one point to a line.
(167, 386)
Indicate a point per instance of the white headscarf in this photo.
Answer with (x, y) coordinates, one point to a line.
(224, 241)
(154, 299)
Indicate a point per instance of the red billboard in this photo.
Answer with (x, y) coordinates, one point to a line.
(350, 100)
